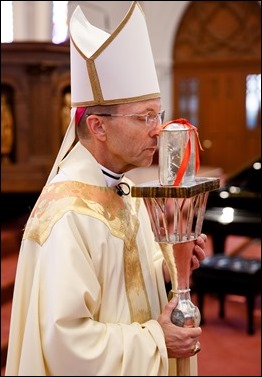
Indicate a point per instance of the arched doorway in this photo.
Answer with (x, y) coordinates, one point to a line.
(217, 80)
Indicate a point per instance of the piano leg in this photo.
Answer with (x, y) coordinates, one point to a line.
(219, 242)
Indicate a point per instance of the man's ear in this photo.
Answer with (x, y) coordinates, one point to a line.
(96, 126)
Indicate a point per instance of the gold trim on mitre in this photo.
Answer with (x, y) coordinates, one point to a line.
(108, 69)
(111, 69)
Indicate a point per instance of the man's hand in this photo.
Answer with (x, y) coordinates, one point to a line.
(180, 341)
(198, 255)
(198, 251)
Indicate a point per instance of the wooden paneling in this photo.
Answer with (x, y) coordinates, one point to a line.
(218, 44)
(34, 76)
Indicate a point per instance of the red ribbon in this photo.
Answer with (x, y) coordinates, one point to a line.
(186, 157)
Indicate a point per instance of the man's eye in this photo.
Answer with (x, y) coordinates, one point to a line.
(152, 117)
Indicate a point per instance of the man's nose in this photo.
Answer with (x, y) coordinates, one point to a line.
(155, 131)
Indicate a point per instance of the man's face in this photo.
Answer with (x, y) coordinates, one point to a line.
(132, 140)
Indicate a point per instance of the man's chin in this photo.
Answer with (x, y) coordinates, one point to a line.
(147, 162)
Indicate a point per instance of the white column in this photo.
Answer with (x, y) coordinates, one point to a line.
(32, 20)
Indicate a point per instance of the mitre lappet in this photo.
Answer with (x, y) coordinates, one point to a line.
(108, 69)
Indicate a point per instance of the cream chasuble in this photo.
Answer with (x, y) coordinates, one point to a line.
(89, 284)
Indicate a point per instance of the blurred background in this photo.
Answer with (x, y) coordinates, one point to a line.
(208, 60)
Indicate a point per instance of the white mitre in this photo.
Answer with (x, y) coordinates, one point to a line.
(108, 68)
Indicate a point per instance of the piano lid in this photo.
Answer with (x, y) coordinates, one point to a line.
(241, 190)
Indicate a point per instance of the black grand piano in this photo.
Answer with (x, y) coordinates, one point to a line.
(235, 208)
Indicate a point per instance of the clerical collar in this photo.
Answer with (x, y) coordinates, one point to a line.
(112, 179)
